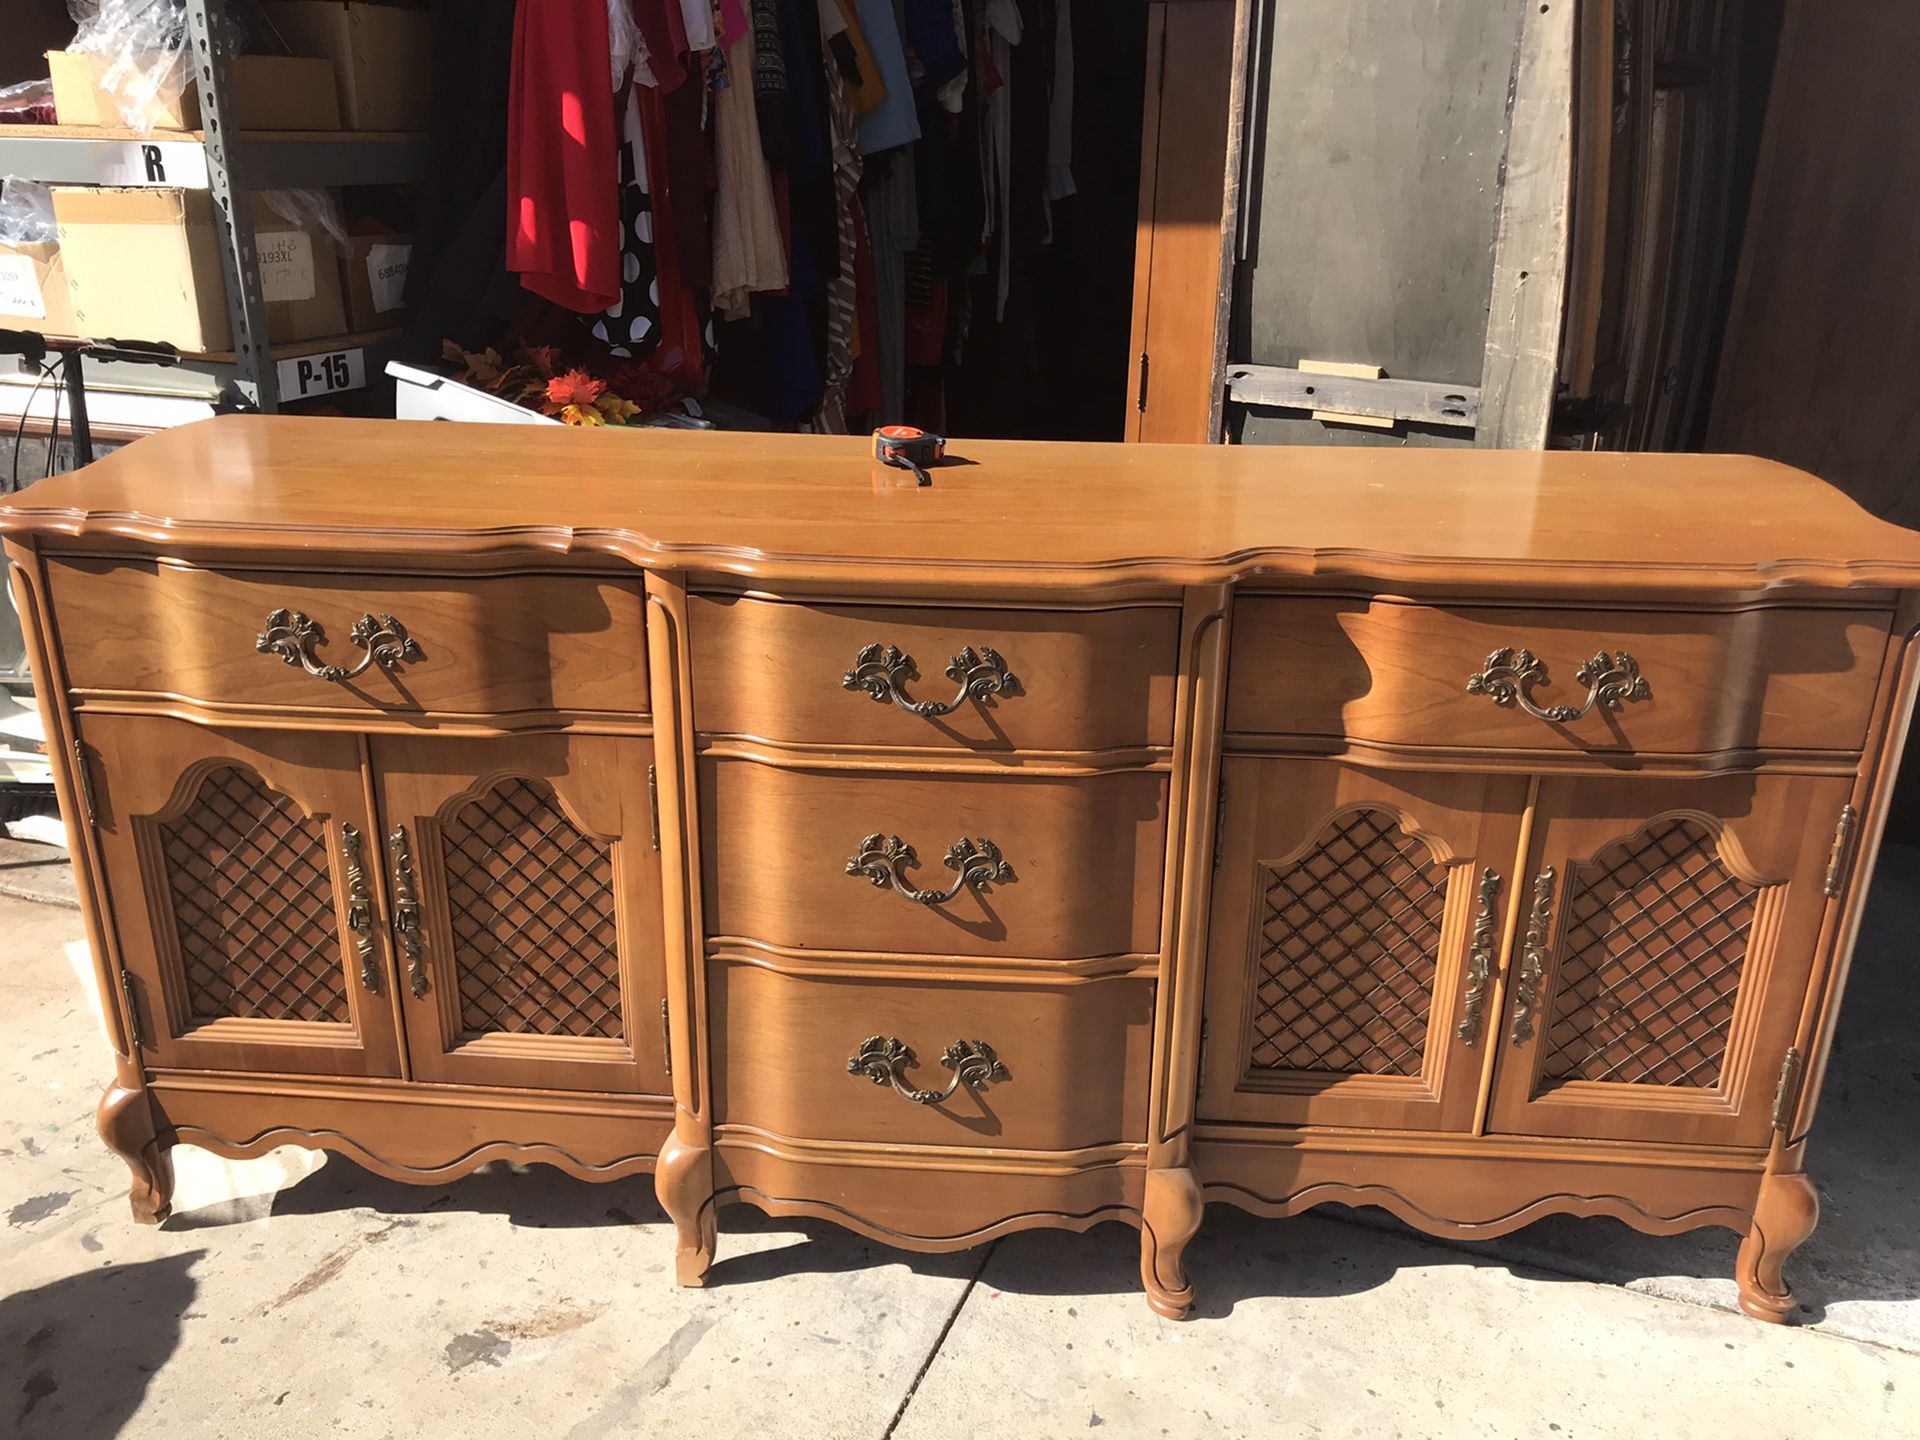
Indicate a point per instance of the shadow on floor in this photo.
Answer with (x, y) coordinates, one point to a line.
(80, 1351)
(1862, 1157)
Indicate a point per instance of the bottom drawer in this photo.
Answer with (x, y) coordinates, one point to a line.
(1067, 1068)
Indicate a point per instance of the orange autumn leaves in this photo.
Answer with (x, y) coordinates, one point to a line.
(536, 381)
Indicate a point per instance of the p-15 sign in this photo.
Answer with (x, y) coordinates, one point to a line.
(304, 376)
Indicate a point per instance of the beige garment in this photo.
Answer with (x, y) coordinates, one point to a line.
(749, 248)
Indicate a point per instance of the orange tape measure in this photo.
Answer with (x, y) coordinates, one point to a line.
(907, 448)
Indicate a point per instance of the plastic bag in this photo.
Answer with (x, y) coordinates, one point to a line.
(26, 212)
(143, 44)
(28, 103)
(311, 210)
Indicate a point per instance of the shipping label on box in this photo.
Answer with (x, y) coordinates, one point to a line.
(20, 292)
(387, 275)
(286, 265)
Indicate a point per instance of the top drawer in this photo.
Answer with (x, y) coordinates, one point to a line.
(979, 679)
(495, 645)
(1523, 679)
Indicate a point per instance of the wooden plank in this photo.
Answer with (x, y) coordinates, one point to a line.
(1183, 185)
(1817, 365)
(1283, 388)
(1527, 304)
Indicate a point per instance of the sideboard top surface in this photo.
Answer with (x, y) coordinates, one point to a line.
(1012, 513)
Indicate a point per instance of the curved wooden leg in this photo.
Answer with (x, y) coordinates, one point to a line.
(1170, 1217)
(1787, 1211)
(125, 1122)
(683, 1181)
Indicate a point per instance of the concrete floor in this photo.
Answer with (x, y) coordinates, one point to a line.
(296, 1294)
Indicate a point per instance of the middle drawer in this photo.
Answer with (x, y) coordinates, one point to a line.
(1021, 867)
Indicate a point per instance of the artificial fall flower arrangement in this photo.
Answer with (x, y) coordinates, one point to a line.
(537, 381)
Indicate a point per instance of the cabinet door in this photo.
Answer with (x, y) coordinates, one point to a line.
(238, 866)
(524, 881)
(1357, 918)
(1665, 939)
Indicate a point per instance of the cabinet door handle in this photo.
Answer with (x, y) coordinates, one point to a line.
(1533, 958)
(359, 907)
(882, 858)
(293, 636)
(883, 672)
(406, 911)
(881, 1058)
(1480, 960)
(1509, 677)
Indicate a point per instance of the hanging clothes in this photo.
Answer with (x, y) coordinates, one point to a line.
(749, 248)
(843, 286)
(563, 216)
(630, 327)
(893, 121)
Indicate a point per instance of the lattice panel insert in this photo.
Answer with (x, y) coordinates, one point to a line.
(534, 936)
(1344, 969)
(1656, 937)
(252, 896)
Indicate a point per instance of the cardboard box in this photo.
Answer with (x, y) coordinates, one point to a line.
(33, 290)
(270, 92)
(377, 280)
(382, 57)
(144, 264)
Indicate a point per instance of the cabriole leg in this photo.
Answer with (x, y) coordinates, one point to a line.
(1170, 1217)
(1784, 1216)
(125, 1121)
(683, 1181)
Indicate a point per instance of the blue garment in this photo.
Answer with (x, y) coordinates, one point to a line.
(893, 121)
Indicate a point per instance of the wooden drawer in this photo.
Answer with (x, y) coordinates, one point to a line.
(1083, 860)
(1083, 679)
(1074, 1058)
(1395, 673)
(486, 645)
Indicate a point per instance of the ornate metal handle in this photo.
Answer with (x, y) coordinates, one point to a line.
(1480, 960)
(293, 636)
(881, 1058)
(881, 858)
(883, 672)
(359, 907)
(406, 911)
(1510, 676)
(1533, 958)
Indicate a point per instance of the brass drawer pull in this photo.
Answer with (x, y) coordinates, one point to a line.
(406, 911)
(293, 636)
(1480, 960)
(882, 858)
(1510, 676)
(881, 1058)
(359, 907)
(882, 671)
(1533, 958)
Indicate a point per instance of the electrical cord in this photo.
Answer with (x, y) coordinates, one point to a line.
(20, 430)
(53, 434)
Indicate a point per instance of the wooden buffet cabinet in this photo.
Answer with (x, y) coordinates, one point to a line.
(1093, 834)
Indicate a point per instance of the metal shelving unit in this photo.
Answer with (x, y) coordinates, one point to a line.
(231, 164)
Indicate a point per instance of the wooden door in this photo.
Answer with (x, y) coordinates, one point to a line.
(240, 864)
(524, 881)
(1665, 939)
(1357, 919)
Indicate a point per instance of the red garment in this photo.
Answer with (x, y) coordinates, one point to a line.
(563, 164)
(665, 34)
(679, 352)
